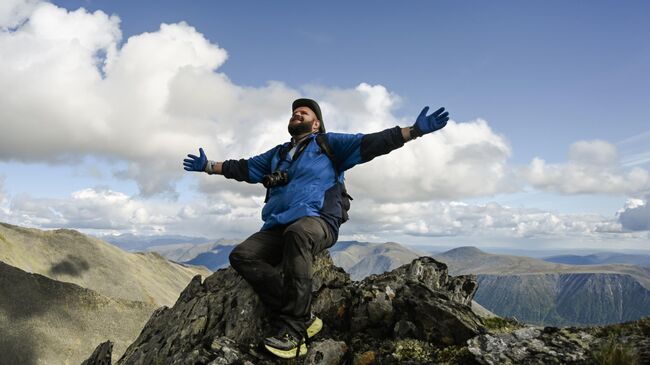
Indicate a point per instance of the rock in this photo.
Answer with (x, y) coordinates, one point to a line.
(327, 352)
(101, 355)
(531, 345)
(221, 320)
(415, 314)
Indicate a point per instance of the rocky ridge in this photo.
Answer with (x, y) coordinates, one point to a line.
(415, 314)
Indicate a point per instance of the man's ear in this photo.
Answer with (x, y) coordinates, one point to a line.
(316, 125)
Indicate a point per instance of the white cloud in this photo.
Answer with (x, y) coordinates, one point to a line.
(592, 167)
(103, 211)
(636, 215)
(14, 12)
(2, 190)
(74, 92)
(461, 160)
(457, 219)
(107, 211)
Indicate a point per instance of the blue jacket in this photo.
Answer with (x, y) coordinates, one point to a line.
(312, 189)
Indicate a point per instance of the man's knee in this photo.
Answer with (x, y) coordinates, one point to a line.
(308, 231)
(236, 257)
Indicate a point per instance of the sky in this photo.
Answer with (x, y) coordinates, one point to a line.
(548, 144)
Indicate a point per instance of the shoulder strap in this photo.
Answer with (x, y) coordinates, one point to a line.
(321, 139)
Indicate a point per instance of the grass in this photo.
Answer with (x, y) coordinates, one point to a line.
(613, 352)
(498, 324)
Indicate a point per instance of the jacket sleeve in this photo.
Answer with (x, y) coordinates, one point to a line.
(250, 170)
(353, 149)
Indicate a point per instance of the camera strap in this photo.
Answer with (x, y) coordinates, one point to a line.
(284, 151)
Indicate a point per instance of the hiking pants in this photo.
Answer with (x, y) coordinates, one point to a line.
(277, 263)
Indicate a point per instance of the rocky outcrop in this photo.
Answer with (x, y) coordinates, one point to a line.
(415, 314)
(101, 355)
(221, 320)
(629, 341)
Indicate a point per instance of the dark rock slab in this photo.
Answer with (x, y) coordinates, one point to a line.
(101, 355)
(221, 321)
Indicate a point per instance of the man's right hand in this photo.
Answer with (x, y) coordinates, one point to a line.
(195, 163)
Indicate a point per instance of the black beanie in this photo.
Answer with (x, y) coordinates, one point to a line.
(313, 105)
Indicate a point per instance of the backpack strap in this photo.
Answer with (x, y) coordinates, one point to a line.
(324, 145)
(321, 139)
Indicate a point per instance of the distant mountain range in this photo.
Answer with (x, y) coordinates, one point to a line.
(212, 255)
(56, 282)
(531, 290)
(361, 259)
(601, 258)
(543, 293)
(132, 242)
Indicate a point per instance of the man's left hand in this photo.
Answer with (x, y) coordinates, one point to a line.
(427, 124)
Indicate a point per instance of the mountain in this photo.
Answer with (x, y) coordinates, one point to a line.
(132, 242)
(601, 258)
(539, 292)
(472, 260)
(361, 259)
(44, 321)
(69, 256)
(213, 255)
(415, 314)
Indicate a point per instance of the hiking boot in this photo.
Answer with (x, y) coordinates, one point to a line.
(285, 344)
(314, 325)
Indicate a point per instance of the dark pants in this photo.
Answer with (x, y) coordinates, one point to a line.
(278, 265)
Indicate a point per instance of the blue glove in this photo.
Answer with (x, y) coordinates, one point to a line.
(433, 122)
(196, 163)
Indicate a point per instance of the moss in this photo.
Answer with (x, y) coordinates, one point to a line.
(365, 358)
(613, 352)
(615, 330)
(453, 355)
(411, 349)
(2, 238)
(498, 324)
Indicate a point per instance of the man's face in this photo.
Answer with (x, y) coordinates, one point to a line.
(303, 120)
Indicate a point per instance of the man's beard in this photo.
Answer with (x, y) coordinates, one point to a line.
(301, 128)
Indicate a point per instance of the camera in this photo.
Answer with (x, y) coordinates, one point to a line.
(277, 178)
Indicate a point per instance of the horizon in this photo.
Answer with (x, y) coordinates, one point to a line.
(548, 145)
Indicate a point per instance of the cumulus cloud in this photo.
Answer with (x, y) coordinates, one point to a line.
(14, 12)
(635, 216)
(2, 189)
(462, 160)
(101, 210)
(478, 222)
(592, 167)
(104, 210)
(74, 91)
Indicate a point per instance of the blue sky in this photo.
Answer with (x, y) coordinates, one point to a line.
(543, 75)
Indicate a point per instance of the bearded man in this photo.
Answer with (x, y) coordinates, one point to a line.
(306, 203)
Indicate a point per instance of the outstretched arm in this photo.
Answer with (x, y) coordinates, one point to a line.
(250, 170)
(353, 149)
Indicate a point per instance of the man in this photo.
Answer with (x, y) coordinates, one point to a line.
(305, 204)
